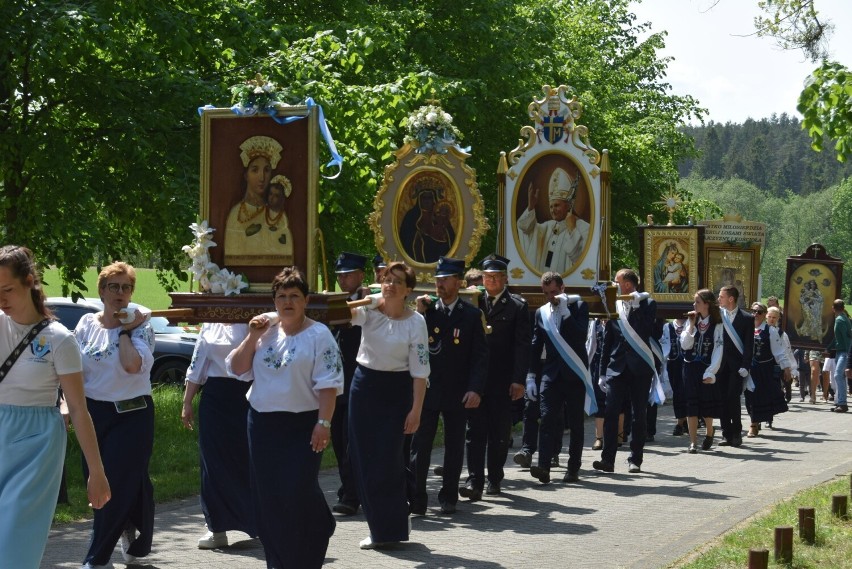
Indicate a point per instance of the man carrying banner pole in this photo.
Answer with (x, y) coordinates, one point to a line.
(561, 326)
(627, 369)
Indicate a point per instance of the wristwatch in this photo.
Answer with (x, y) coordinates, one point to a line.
(324, 423)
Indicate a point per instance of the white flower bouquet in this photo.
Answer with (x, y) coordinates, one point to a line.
(208, 274)
(430, 128)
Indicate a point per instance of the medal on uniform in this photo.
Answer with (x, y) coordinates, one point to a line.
(456, 336)
(431, 340)
(437, 330)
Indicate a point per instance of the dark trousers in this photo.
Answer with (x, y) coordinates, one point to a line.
(378, 404)
(675, 369)
(633, 387)
(532, 415)
(223, 449)
(557, 395)
(731, 386)
(489, 427)
(348, 491)
(651, 420)
(126, 441)
(421, 454)
(294, 521)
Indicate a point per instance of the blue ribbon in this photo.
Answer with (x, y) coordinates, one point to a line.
(336, 158)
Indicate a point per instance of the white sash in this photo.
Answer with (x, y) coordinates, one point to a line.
(638, 345)
(657, 393)
(748, 382)
(570, 357)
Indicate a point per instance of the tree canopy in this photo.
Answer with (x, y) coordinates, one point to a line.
(826, 100)
(99, 135)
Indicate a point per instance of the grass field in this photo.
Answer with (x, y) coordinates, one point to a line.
(149, 292)
(833, 546)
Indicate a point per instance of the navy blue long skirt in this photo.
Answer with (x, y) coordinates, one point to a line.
(294, 521)
(224, 452)
(379, 401)
(700, 399)
(767, 399)
(126, 441)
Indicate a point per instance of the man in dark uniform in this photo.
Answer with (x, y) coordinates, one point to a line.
(561, 325)
(736, 363)
(458, 356)
(489, 425)
(627, 370)
(379, 267)
(349, 270)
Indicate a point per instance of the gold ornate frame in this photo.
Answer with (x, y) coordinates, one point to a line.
(397, 197)
(222, 132)
(733, 265)
(657, 243)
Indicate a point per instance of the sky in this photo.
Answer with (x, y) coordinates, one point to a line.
(721, 62)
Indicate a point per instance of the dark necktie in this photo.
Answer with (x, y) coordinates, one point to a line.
(490, 303)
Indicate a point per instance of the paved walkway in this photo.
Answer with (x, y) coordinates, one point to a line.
(679, 502)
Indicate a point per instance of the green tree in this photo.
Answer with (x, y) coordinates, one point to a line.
(826, 100)
(98, 134)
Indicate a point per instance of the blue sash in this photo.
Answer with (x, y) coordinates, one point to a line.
(570, 357)
(748, 382)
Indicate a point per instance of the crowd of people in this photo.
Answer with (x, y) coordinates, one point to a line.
(277, 391)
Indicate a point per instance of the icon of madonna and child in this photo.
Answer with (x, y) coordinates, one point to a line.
(671, 271)
(429, 213)
(257, 229)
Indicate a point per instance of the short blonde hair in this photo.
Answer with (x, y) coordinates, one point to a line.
(773, 310)
(116, 268)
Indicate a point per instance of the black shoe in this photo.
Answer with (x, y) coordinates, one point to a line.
(542, 474)
(678, 431)
(707, 443)
(522, 459)
(554, 462)
(737, 442)
(345, 509)
(632, 467)
(470, 492)
(841, 409)
(572, 476)
(603, 466)
(417, 511)
(447, 508)
(649, 439)
(438, 470)
(725, 443)
(493, 489)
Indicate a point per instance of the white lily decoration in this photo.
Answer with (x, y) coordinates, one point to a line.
(210, 277)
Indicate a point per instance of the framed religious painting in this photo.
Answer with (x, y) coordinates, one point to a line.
(671, 265)
(550, 196)
(813, 282)
(259, 179)
(732, 266)
(429, 204)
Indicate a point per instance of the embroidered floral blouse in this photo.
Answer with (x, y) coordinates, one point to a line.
(289, 371)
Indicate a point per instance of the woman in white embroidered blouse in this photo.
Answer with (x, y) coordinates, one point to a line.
(117, 359)
(701, 341)
(32, 433)
(385, 401)
(298, 373)
(222, 439)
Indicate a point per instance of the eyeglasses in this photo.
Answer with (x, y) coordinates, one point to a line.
(758, 311)
(115, 288)
(392, 282)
